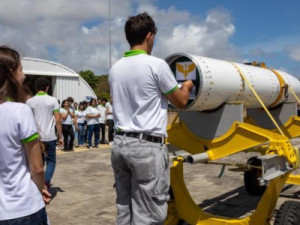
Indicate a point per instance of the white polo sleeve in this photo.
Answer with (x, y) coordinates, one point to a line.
(166, 80)
(26, 125)
(55, 106)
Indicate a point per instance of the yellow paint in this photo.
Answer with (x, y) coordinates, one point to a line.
(185, 69)
(294, 179)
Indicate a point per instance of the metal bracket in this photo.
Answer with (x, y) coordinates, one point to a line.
(273, 166)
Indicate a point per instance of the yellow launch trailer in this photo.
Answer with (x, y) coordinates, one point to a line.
(278, 157)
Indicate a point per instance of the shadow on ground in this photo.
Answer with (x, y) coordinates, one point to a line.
(235, 203)
(54, 191)
(238, 203)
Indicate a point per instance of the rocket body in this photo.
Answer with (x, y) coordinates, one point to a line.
(217, 82)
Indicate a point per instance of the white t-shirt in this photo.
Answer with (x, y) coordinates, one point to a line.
(109, 108)
(19, 195)
(92, 111)
(102, 111)
(68, 120)
(139, 85)
(80, 115)
(43, 107)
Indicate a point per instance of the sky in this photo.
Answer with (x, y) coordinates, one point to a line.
(75, 33)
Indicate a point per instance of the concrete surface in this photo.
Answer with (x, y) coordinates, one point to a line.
(83, 188)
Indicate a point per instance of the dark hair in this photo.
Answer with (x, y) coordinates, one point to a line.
(92, 99)
(137, 27)
(104, 99)
(80, 104)
(70, 99)
(41, 84)
(9, 86)
(63, 102)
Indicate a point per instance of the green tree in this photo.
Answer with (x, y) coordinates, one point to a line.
(89, 77)
(102, 88)
(99, 84)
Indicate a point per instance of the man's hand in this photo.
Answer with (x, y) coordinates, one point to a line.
(187, 84)
(60, 141)
(46, 195)
(180, 97)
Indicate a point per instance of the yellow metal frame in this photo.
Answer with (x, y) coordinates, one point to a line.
(246, 135)
(183, 206)
(291, 128)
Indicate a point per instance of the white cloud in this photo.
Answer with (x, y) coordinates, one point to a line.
(209, 37)
(75, 33)
(295, 53)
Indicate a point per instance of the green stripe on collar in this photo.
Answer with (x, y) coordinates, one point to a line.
(134, 52)
(41, 93)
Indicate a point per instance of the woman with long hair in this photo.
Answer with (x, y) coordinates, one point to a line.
(80, 113)
(67, 114)
(92, 116)
(22, 191)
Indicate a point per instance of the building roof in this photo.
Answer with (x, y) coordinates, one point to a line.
(33, 66)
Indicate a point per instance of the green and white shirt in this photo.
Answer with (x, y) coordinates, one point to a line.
(43, 107)
(139, 84)
(18, 193)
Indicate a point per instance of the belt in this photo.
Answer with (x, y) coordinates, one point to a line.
(145, 137)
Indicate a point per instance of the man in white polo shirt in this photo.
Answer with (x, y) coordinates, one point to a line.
(46, 112)
(141, 86)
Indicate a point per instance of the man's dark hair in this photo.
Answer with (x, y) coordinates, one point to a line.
(70, 99)
(137, 27)
(41, 84)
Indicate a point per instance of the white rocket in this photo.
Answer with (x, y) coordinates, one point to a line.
(218, 81)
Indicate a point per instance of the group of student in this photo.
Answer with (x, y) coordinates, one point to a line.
(31, 128)
(86, 120)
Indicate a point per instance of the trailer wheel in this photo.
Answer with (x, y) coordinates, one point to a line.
(251, 181)
(288, 214)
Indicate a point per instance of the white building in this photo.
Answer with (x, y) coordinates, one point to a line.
(65, 82)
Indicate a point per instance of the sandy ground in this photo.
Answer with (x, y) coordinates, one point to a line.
(83, 188)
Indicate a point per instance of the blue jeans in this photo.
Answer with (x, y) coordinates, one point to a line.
(50, 158)
(94, 128)
(38, 218)
(81, 133)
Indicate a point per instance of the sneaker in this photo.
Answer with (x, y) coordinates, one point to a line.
(111, 143)
(90, 147)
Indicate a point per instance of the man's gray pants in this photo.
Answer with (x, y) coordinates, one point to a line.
(141, 171)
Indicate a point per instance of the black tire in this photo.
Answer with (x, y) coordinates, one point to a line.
(251, 181)
(288, 214)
